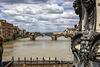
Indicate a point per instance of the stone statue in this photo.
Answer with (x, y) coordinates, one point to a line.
(90, 10)
(78, 11)
(77, 7)
(88, 40)
(88, 4)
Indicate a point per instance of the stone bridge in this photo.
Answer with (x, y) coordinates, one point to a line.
(53, 36)
(33, 37)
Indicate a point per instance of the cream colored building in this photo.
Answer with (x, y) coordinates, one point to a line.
(22, 32)
(70, 31)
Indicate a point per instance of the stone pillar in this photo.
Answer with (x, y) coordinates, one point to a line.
(98, 16)
(54, 37)
(14, 37)
(32, 37)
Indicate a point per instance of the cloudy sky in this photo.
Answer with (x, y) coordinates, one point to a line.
(39, 15)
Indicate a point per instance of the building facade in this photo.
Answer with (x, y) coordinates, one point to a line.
(22, 32)
(6, 29)
(15, 30)
(56, 32)
(70, 31)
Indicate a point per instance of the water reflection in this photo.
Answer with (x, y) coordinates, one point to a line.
(44, 38)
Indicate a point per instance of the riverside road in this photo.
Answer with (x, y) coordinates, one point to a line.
(41, 47)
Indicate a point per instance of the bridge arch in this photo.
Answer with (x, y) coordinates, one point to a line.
(54, 37)
(44, 36)
(60, 36)
(48, 36)
(33, 37)
(38, 36)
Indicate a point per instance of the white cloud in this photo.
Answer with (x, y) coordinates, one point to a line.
(28, 25)
(10, 12)
(67, 4)
(43, 17)
(53, 8)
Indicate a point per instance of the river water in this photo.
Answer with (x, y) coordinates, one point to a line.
(41, 47)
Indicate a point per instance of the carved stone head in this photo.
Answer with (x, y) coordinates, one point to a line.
(88, 4)
(77, 6)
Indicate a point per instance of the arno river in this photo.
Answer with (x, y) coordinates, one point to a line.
(41, 47)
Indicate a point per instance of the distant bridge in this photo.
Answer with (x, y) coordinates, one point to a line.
(33, 37)
(53, 36)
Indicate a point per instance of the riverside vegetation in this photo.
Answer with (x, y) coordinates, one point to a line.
(6, 40)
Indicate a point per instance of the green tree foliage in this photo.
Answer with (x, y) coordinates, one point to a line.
(27, 32)
(37, 32)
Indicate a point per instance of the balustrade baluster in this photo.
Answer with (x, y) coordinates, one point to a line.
(49, 61)
(31, 61)
(18, 61)
(37, 61)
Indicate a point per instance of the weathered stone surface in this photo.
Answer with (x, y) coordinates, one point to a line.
(90, 20)
(84, 17)
(88, 4)
(98, 15)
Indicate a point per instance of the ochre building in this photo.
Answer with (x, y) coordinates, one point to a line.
(6, 29)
